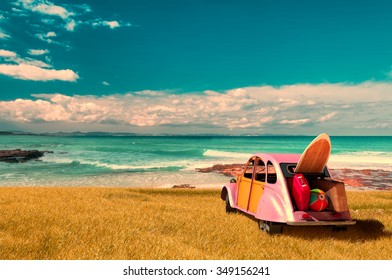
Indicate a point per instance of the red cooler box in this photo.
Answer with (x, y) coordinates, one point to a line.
(301, 192)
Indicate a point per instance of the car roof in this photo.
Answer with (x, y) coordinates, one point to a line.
(279, 158)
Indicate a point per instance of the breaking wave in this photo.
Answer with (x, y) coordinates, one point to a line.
(224, 154)
(362, 160)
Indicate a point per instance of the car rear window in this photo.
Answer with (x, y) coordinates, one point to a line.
(288, 170)
(271, 173)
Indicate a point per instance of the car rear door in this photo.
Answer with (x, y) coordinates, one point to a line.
(244, 185)
(257, 186)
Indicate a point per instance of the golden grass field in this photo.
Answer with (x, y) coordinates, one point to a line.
(117, 223)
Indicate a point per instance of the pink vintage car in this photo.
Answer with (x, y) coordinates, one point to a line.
(265, 191)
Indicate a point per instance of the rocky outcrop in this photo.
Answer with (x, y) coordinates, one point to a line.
(18, 155)
(364, 179)
(183, 186)
(225, 169)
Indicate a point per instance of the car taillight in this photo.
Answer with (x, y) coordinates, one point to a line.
(305, 216)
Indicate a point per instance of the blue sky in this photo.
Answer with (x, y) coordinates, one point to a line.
(171, 66)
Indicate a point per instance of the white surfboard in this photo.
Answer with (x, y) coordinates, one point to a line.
(315, 156)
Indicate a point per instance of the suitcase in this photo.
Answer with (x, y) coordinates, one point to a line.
(301, 192)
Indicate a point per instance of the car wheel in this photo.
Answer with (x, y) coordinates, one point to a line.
(271, 227)
(263, 226)
(229, 209)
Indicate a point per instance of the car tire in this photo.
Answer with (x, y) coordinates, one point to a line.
(263, 226)
(271, 227)
(229, 209)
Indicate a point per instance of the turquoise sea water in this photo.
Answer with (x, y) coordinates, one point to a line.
(128, 161)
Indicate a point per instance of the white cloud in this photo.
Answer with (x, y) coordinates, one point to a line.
(49, 38)
(4, 35)
(327, 117)
(36, 73)
(52, 10)
(18, 11)
(45, 37)
(37, 52)
(5, 53)
(10, 56)
(336, 108)
(45, 7)
(70, 14)
(111, 24)
(84, 8)
(295, 122)
(51, 34)
(30, 111)
(34, 62)
(70, 26)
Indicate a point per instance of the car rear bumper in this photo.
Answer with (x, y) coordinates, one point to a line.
(322, 223)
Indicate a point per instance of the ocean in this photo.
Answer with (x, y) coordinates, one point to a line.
(164, 161)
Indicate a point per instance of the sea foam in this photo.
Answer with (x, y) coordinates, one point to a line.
(362, 160)
(225, 154)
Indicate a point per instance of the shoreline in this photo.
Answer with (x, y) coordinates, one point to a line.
(372, 179)
(212, 177)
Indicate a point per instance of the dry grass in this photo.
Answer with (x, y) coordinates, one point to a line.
(109, 223)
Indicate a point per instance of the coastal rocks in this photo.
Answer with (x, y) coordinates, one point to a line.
(18, 155)
(375, 179)
(234, 169)
(183, 186)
